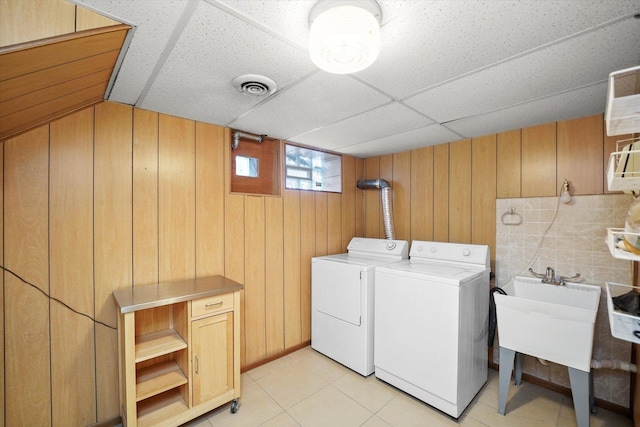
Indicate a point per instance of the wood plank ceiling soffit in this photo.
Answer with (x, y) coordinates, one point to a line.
(49, 78)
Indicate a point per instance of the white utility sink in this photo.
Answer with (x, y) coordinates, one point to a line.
(547, 321)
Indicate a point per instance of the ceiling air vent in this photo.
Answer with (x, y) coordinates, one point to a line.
(254, 84)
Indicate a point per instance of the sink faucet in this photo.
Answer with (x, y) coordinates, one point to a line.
(550, 277)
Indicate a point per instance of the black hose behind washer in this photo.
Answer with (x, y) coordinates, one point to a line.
(493, 319)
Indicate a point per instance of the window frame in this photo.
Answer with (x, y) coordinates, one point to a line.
(268, 154)
(322, 153)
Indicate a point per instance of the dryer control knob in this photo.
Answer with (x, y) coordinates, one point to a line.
(433, 250)
(391, 245)
(466, 252)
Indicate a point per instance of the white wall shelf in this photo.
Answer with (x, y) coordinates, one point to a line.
(624, 326)
(622, 115)
(623, 171)
(614, 236)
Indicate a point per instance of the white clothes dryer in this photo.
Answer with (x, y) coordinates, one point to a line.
(342, 300)
(431, 323)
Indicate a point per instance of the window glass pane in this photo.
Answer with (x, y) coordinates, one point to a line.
(305, 185)
(246, 166)
(299, 173)
(292, 184)
(308, 169)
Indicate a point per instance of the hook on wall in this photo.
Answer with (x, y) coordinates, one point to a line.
(238, 135)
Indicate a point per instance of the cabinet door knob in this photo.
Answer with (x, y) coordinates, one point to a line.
(196, 363)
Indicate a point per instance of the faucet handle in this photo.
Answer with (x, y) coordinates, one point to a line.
(536, 274)
(539, 275)
(570, 279)
(548, 275)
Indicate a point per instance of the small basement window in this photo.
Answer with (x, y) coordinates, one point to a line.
(255, 168)
(247, 166)
(307, 169)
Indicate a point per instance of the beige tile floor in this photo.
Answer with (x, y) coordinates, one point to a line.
(306, 388)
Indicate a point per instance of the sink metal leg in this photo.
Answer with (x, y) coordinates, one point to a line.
(580, 386)
(518, 371)
(592, 398)
(506, 366)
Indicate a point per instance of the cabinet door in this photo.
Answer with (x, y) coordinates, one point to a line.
(212, 347)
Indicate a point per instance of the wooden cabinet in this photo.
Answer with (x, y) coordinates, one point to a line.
(212, 337)
(212, 343)
(538, 161)
(179, 350)
(579, 155)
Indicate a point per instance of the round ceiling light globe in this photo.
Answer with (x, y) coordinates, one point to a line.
(344, 39)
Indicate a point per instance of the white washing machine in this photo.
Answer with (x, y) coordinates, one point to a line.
(342, 289)
(431, 318)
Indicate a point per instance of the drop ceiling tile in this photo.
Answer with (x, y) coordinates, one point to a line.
(576, 62)
(383, 121)
(423, 137)
(197, 97)
(215, 47)
(317, 101)
(398, 9)
(154, 23)
(445, 39)
(289, 19)
(581, 102)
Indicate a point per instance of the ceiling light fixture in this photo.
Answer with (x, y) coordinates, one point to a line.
(345, 35)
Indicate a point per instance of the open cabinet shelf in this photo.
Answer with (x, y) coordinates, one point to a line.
(157, 409)
(158, 344)
(156, 379)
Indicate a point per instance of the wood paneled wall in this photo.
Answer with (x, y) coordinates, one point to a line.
(113, 196)
(27, 20)
(447, 192)
(2, 288)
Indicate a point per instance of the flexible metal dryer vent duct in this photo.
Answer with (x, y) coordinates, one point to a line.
(385, 197)
(238, 135)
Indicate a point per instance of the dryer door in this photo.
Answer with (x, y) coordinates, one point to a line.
(336, 290)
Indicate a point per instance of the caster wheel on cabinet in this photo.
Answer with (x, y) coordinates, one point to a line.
(235, 404)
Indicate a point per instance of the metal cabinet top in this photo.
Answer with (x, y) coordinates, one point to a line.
(136, 298)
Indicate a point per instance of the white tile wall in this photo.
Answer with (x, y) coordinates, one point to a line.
(570, 238)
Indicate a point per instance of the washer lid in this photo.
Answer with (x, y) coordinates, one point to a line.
(444, 272)
(358, 260)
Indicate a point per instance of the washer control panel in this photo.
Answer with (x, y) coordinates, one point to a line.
(364, 246)
(454, 252)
